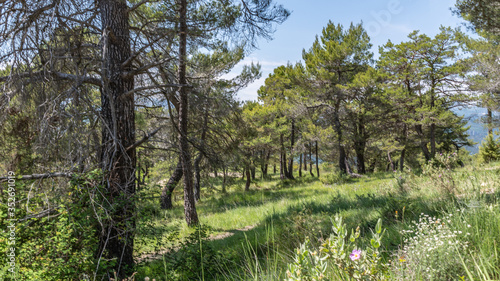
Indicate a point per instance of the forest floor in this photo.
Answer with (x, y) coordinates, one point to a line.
(280, 214)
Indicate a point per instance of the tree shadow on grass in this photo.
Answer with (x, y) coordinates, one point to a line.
(282, 231)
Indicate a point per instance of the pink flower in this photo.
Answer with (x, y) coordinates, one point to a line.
(355, 255)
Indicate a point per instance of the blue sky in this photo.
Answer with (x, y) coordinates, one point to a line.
(383, 20)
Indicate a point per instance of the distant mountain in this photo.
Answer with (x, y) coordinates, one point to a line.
(477, 131)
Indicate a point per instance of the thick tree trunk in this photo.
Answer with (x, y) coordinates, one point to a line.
(189, 201)
(317, 159)
(166, 193)
(247, 173)
(360, 155)
(118, 133)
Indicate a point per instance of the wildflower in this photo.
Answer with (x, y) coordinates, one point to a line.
(355, 255)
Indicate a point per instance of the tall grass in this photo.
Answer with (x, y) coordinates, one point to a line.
(284, 214)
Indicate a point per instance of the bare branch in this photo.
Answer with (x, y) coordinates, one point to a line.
(39, 176)
(144, 139)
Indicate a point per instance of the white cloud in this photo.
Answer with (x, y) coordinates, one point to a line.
(267, 67)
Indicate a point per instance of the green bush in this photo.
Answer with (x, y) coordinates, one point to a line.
(339, 258)
(194, 260)
(490, 149)
(335, 178)
(57, 245)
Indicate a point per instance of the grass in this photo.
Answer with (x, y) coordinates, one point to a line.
(282, 214)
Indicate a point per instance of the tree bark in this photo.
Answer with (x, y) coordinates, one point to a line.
(300, 165)
(223, 179)
(283, 170)
(247, 173)
(305, 161)
(187, 170)
(292, 144)
(118, 132)
(197, 177)
(391, 164)
(197, 170)
(489, 120)
(402, 160)
(166, 193)
(310, 160)
(317, 159)
(360, 145)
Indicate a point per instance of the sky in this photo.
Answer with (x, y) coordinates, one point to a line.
(383, 20)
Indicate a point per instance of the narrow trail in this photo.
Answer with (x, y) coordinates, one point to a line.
(148, 257)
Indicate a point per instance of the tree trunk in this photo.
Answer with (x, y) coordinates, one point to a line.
(338, 130)
(118, 133)
(402, 160)
(305, 161)
(423, 143)
(403, 152)
(390, 161)
(247, 173)
(489, 120)
(360, 145)
(223, 179)
(167, 191)
(274, 168)
(187, 170)
(292, 144)
(197, 170)
(300, 165)
(317, 159)
(215, 172)
(282, 159)
(433, 140)
(197, 177)
(252, 171)
(310, 160)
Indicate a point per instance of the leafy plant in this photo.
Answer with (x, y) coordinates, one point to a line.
(340, 257)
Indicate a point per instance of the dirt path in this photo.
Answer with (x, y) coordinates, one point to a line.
(158, 255)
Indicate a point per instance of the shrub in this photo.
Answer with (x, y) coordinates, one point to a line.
(339, 258)
(489, 149)
(431, 251)
(194, 258)
(335, 178)
(58, 244)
